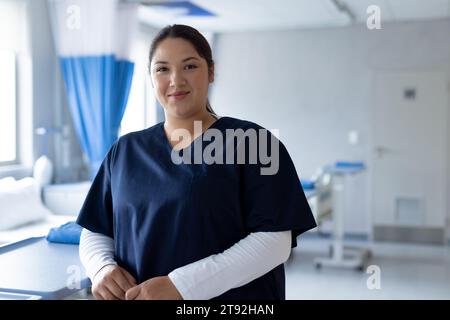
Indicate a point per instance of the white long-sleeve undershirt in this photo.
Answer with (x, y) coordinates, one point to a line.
(245, 261)
(96, 251)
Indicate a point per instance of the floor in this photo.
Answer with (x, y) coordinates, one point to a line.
(402, 271)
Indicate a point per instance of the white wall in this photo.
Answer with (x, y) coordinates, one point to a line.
(316, 86)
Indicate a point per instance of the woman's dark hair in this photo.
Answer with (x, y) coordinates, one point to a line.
(191, 35)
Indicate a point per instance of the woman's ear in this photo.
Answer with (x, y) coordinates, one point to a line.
(211, 74)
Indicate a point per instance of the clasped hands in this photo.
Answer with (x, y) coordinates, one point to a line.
(115, 283)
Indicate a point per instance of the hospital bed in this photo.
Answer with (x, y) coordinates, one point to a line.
(37, 269)
(32, 267)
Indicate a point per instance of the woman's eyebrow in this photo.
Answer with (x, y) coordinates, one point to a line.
(184, 60)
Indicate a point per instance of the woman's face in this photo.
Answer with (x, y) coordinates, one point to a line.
(180, 78)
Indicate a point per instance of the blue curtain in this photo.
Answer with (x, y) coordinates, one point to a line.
(97, 90)
(93, 40)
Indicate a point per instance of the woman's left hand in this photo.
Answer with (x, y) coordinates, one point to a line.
(158, 288)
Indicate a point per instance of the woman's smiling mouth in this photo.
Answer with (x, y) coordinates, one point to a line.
(179, 95)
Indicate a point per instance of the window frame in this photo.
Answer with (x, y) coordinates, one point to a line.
(16, 160)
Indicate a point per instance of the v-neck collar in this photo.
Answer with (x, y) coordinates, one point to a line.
(169, 145)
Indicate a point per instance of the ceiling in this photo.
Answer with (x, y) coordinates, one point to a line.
(248, 15)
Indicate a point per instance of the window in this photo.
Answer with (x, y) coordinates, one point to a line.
(8, 112)
(140, 112)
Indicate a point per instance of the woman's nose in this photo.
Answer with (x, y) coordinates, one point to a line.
(177, 79)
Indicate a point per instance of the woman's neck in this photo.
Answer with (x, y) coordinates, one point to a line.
(172, 123)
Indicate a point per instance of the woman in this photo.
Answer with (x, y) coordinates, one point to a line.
(155, 228)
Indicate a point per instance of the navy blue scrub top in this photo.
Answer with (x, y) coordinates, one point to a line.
(163, 216)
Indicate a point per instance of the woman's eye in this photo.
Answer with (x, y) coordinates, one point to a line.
(161, 69)
(190, 67)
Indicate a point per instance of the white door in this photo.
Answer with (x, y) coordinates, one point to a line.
(409, 156)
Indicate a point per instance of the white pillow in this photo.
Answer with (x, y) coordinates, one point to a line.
(20, 203)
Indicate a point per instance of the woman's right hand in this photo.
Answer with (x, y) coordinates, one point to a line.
(111, 283)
